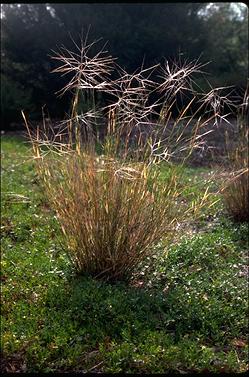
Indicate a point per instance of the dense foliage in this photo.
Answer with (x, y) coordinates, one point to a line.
(135, 32)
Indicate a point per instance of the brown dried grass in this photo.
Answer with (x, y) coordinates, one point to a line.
(112, 208)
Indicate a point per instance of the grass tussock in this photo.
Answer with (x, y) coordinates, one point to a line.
(100, 168)
(109, 214)
(235, 190)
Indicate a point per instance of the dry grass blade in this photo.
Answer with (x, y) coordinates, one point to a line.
(235, 189)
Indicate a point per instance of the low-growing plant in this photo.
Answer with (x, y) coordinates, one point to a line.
(235, 188)
(100, 168)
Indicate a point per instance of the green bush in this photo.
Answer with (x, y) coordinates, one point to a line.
(14, 99)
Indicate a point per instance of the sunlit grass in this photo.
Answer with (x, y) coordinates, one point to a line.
(235, 189)
(185, 312)
(113, 208)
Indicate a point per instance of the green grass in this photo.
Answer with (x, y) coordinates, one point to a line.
(185, 310)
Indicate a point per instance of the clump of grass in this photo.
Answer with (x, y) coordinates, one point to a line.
(235, 190)
(112, 207)
(108, 214)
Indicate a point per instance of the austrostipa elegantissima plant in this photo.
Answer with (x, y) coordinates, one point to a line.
(111, 206)
(235, 186)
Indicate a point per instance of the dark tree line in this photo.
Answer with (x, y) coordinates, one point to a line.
(135, 32)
